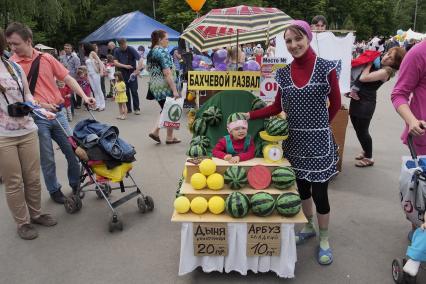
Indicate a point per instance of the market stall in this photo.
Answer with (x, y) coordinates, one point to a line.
(259, 235)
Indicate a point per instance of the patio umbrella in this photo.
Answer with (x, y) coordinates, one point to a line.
(242, 24)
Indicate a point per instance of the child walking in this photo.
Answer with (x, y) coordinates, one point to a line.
(120, 95)
(237, 146)
(66, 94)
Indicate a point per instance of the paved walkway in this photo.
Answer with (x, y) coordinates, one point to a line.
(367, 228)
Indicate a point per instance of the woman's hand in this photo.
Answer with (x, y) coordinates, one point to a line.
(354, 95)
(176, 95)
(417, 127)
(247, 115)
(227, 157)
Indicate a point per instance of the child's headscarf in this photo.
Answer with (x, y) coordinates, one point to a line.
(236, 120)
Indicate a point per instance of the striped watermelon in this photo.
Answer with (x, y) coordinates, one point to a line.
(199, 127)
(257, 103)
(212, 115)
(277, 127)
(235, 116)
(283, 177)
(262, 204)
(237, 204)
(196, 151)
(236, 177)
(203, 141)
(288, 204)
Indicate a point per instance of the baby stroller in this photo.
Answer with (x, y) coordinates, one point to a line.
(101, 173)
(413, 200)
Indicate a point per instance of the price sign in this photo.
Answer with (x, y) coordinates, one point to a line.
(210, 239)
(263, 239)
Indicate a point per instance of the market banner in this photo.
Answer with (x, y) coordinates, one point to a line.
(330, 47)
(268, 85)
(223, 80)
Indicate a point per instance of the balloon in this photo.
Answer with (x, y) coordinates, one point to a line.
(221, 67)
(219, 58)
(399, 32)
(196, 5)
(251, 65)
(196, 61)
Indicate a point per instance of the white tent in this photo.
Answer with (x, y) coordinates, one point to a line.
(414, 35)
(43, 47)
(327, 46)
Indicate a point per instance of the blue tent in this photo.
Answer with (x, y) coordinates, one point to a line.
(134, 26)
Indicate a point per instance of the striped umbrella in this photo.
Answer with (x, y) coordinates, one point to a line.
(223, 27)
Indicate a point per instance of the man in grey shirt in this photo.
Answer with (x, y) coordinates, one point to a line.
(71, 61)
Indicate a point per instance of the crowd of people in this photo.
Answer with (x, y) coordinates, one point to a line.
(59, 87)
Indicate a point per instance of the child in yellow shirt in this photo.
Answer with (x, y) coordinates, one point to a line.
(120, 95)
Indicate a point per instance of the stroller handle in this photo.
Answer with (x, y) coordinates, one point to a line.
(90, 111)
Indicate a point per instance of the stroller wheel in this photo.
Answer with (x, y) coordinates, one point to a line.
(142, 205)
(397, 272)
(106, 189)
(72, 204)
(115, 224)
(149, 202)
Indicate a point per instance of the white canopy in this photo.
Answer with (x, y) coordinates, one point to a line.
(414, 35)
(43, 47)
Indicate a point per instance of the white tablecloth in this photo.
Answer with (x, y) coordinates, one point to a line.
(237, 260)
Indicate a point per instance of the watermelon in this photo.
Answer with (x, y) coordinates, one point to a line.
(262, 204)
(288, 204)
(257, 103)
(277, 127)
(283, 177)
(199, 127)
(236, 177)
(196, 151)
(259, 177)
(212, 115)
(203, 141)
(235, 116)
(237, 204)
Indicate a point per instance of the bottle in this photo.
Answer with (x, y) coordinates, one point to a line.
(132, 77)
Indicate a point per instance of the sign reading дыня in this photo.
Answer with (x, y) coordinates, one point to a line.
(210, 239)
(221, 80)
(263, 239)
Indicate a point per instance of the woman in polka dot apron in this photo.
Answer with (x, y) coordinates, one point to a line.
(306, 85)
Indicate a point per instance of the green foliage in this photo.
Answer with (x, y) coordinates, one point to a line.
(57, 21)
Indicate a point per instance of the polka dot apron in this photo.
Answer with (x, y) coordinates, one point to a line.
(310, 147)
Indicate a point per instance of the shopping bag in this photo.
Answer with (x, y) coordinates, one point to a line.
(412, 187)
(171, 113)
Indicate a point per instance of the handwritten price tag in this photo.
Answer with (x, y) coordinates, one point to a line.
(263, 239)
(210, 239)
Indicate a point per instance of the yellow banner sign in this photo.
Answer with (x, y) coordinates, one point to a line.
(223, 80)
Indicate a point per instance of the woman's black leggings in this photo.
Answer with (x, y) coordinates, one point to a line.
(319, 194)
(361, 126)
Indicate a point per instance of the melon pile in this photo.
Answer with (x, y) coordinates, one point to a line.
(199, 205)
(207, 176)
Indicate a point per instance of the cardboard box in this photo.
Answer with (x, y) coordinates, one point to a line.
(338, 126)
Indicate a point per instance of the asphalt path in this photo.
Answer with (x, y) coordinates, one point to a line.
(367, 230)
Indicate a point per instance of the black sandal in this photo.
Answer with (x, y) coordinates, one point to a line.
(154, 137)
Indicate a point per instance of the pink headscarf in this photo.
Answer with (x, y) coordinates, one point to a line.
(237, 123)
(304, 26)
